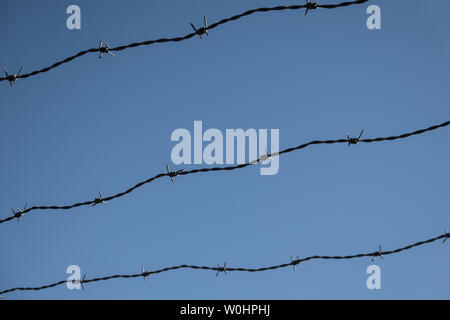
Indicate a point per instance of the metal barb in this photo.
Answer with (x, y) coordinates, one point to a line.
(378, 254)
(203, 30)
(172, 174)
(81, 281)
(295, 262)
(20, 212)
(205, 25)
(446, 236)
(222, 269)
(12, 77)
(310, 6)
(104, 49)
(99, 199)
(264, 157)
(354, 140)
(145, 273)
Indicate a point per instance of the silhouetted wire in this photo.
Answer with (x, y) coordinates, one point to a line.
(227, 168)
(225, 269)
(186, 37)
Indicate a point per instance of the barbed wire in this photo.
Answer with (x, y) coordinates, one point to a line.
(224, 269)
(18, 213)
(197, 32)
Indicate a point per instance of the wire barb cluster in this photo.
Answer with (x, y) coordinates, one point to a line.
(295, 262)
(226, 269)
(145, 273)
(12, 77)
(104, 49)
(19, 213)
(310, 6)
(99, 200)
(173, 174)
(222, 269)
(354, 140)
(378, 254)
(203, 30)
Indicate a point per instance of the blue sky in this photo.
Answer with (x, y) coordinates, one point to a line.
(105, 125)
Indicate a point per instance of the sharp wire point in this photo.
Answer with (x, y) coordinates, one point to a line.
(362, 131)
(100, 46)
(81, 281)
(195, 29)
(143, 272)
(169, 173)
(269, 157)
(446, 236)
(205, 23)
(17, 215)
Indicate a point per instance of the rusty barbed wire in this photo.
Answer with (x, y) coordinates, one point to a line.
(197, 32)
(224, 269)
(18, 213)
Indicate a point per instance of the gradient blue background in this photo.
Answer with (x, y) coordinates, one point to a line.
(105, 125)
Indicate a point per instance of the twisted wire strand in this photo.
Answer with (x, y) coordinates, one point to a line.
(186, 37)
(227, 168)
(225, 269)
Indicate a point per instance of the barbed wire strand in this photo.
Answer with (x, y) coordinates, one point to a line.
(188, 36)
(225, 269)
(213, 169)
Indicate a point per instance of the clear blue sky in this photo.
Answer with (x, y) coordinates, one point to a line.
(105, 125)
